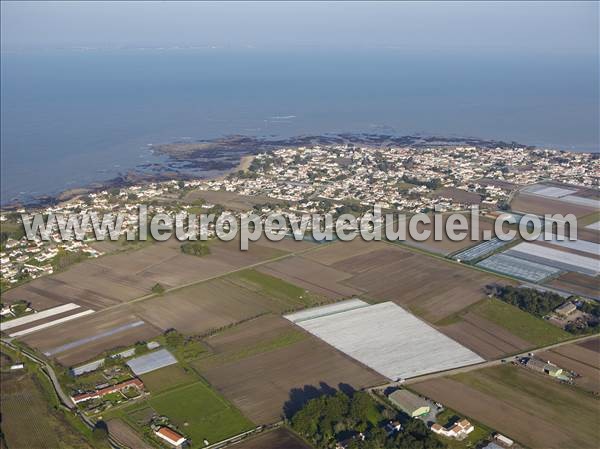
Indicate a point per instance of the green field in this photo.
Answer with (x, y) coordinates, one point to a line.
(166, 378)
(195, 409)
(522, 324)
(291, 296)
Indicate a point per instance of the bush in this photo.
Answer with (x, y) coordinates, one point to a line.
(197, 248)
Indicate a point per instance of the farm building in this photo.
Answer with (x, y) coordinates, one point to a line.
(409, 403)
(566, 309)
(543, 367)
(136, 383)
(170, 436)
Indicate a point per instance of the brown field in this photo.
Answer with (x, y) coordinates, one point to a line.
(578, 358)
(540, 205)
(484, 337)
(329, 254)
(430, 288)
(126, 435)
(29, 421)
(578, 283)
(211, 305)
(528, 407)
(261, 385)
(280, 438)
(263, 328)
(54, 337)
(117, 278)
(202, 307)
(592, 345)
(312, 276)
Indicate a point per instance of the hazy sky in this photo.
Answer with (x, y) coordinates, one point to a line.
(536, 27)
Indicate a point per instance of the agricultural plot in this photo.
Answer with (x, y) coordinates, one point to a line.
(388, 339)
(480, 250)
(578, 284)
(430, 288)
(582, 246)
(533, 409)
(126, 435)
(166, 378)
(97, 333)
(28, 421)
(519, 268)
(579, 358)
(113, 279)
(574, 195)
(200, 413)
(549, 191)
(539, 205)
(446, 246)
(312, 276)
(151, 362)
(562, 260)
(221, 302)
(280, 438)
(494, 329)
(264, 386)
(263, 334)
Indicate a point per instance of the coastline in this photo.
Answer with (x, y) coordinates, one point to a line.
(222, 156)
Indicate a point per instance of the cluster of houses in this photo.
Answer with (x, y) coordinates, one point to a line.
(99, 393)
(380, 176)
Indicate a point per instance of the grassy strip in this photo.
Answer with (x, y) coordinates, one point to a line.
(522, 324)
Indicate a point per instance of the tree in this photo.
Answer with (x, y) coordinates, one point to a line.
(158, 289)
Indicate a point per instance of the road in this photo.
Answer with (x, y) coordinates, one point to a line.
(487, 364)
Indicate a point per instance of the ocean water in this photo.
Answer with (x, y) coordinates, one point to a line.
(69, 118)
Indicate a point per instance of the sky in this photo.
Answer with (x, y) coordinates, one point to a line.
(515, 27)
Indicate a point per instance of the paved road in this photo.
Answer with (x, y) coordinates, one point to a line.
(481, 365)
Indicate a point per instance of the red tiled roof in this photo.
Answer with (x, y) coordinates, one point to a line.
(171, 434)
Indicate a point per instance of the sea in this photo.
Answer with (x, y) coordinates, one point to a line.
(76, 116)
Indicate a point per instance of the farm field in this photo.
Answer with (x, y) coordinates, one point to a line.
(447, 246)
(224, 301)
(166, 378)
(539, 205)
(534, 410)
(265, 385)
(494, 329)
(28, 420)
(577, 283)
(208, 415)
(263, 334)
(513, 265)
(312, 276)
(581, 358)
(113, 279)
(387, 339)
(549, 255)
(429, 287)
(275, 439)
(125, 435)
(76, 336)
